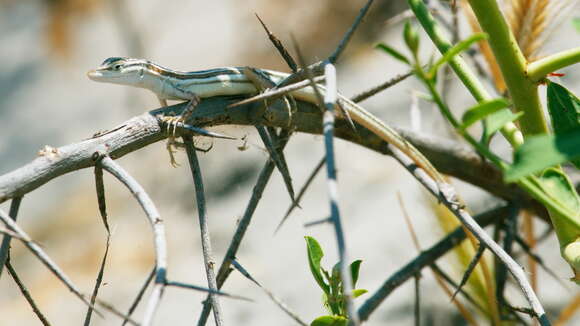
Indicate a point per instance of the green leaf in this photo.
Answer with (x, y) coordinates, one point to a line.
(481, 111)
(564, 109)
(358, 292)
(411, 37)
(576, 23)
(354, 269)
(542, 151)
(455, 50)
(497, 120)
(315, 255)
(558, 186)
(329, 321)
(394, 53)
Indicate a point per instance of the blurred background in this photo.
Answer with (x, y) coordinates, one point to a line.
(46, 48)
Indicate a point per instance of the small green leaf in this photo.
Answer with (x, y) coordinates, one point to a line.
(394, 53)
(481, 111)
(329, 321)
(455, 50)
(576, 23)
(424, 96)
(564, 108)
(358, 292)
(315, 255)
(497, 120)
(354, 269)
(411, 37)
(542, 151)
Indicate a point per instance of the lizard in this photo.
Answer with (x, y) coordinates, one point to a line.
(193, 86)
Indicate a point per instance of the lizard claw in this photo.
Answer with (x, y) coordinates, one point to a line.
(170, 149)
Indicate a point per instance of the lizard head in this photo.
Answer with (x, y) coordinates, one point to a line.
(119, 70)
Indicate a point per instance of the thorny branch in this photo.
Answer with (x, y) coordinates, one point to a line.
(145, 129)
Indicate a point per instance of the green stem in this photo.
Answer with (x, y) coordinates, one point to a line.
(462, 70)
(446, 112)
(512, 63)
(538, 69)
(460, 67)
(531, 184)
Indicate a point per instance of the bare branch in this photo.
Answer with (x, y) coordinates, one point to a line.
(225, 269)
(280, 47)
(204, 229)
(207, 290)
(42, 256)
(343, 43)
(424, 259)
(275, 299)
(418, 299)
(301, 192)
(279, 160)
(446, 194)
(470, 268)
(160, 243)
(328, 103)
(377, 89)
(318, 222)
(449, 157)
(26, 294)
(97, 283)
(5, 247)
(139, 296)
(278, 92)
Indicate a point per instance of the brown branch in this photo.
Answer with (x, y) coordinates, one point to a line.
(449, 157)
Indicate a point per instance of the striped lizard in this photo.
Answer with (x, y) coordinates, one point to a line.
(169, 84)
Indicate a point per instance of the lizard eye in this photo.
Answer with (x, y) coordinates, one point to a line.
(117, 67)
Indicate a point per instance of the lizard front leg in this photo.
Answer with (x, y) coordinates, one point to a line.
(172, 121)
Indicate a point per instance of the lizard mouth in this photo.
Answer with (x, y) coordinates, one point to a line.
(100, 75)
